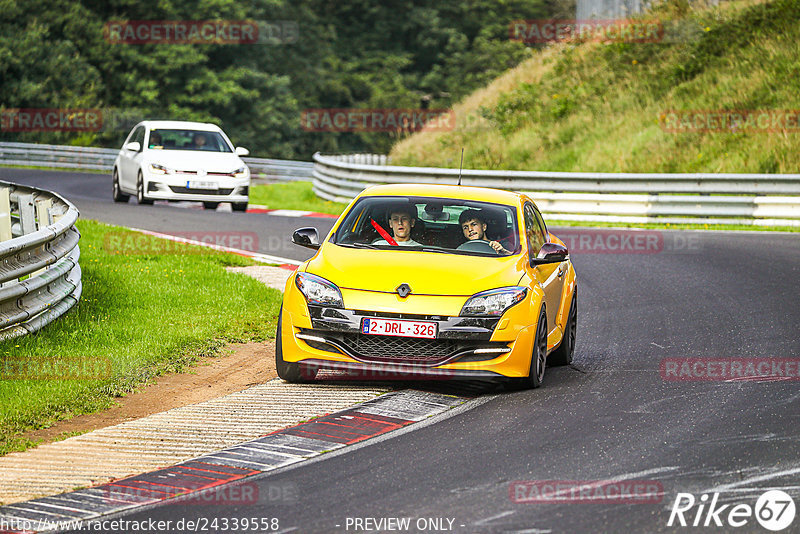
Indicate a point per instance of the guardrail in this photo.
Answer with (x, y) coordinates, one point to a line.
(40, 278)
(704, 198)
(102, 159)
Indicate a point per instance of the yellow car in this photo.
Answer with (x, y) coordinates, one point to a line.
(431, 281)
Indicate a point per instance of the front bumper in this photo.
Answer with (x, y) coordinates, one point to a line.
(172, 187)
(465, 347)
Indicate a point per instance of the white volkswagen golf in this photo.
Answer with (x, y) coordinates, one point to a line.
(178, 160)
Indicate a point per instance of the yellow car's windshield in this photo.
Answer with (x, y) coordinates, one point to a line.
(432, 224)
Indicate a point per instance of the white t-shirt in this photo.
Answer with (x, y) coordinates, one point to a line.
(409, 243)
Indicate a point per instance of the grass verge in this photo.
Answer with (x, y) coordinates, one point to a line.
(292, 196)
(148, 314)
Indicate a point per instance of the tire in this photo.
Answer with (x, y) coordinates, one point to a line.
(290, 371)
(239, 206)
(563, 354)
(538, 359)
(210, 205)
(116, 192)
(140, 198)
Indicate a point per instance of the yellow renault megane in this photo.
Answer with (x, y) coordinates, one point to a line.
(433, 281)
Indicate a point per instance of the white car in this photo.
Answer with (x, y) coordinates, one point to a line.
(179, 160)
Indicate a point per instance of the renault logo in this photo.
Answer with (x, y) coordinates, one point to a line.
(403, 290)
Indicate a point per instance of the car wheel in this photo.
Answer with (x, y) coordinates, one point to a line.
(140, 198)
(239, 206)
(210, 205)
(116, 192)
(563, 354)
(289, 371)
(538, 359)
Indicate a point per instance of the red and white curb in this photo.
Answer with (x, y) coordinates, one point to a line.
(290, 445)
(252, 208)
(255, 208)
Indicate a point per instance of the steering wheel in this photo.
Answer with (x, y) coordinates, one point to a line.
(478, 245)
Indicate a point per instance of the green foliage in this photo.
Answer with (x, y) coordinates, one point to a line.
(357, 54)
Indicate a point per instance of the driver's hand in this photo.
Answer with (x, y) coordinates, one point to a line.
(497, 247)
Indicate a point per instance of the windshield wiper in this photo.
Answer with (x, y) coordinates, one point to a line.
(439, 250)
(357, 245)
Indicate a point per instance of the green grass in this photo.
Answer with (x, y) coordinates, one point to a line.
(147, 313)
(292, 196)
(601, 107)
(68, 169)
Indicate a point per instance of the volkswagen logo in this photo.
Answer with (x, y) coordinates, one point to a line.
(403, 290)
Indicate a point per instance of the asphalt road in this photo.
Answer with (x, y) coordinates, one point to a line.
(609, 416)
(91, 193)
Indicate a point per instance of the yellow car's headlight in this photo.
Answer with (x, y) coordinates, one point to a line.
(319, 291)
(494, 302)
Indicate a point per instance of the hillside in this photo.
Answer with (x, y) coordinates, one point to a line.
(623, 107)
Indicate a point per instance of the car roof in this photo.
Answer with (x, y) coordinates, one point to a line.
(188, 125)
(460, 192)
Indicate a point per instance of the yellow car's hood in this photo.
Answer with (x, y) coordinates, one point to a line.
(428, 273)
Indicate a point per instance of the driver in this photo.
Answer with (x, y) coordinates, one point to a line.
(401, 221)
(199, 141)
(155, 139)
(474, 227)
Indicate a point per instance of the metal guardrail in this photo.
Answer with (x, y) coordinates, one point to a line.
(40, 278)
(102, 159)
(704, 198)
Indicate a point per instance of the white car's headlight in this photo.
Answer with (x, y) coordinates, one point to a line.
(155, 168)
(240, 172)
(319, 291)
(494, 302)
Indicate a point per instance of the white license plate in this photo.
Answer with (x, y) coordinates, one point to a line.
(194, 184)
(398, 327)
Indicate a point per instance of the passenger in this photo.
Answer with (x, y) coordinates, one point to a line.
(401, 221)
(474, 227)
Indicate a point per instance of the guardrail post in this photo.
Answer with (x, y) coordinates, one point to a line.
(43, 213)
(5, 214)
(27, 214)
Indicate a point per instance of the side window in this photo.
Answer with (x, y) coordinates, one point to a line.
(533, 231)
(543, 226)
(138, 135)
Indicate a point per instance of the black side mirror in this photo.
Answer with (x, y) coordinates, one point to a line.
(306, 237)
(550, 253)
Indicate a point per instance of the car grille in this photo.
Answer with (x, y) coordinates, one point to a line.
(179, 189)
(406, 349)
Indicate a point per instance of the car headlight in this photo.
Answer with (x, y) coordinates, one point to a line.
(155, 168)
(494, 302)
(319, 291)
(240, 172)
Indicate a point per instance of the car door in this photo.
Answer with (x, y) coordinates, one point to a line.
(549, 276)
(129, 160)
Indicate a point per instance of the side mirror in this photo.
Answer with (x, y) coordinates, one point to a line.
(242, 151)
(306, 237)
(133, 146)
(550, 253)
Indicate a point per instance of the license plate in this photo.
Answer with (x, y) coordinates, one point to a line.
(194, 184)
(398, 327)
